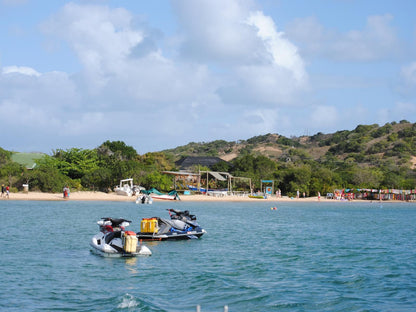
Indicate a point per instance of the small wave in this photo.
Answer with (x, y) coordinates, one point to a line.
(128, 302)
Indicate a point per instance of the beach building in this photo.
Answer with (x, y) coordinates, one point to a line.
(187, 163)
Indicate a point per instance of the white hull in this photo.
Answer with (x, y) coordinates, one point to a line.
(127, 188)
(98, 246)
(124, 192)
(164, 197)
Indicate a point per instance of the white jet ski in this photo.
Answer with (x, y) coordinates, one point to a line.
(144, 199)
(114, 241)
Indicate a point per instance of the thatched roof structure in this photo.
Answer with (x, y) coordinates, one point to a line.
(188, 162)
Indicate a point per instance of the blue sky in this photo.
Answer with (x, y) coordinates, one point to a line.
(159, 74)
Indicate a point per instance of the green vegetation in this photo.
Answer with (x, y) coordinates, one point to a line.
(370, 156)
(287, 142)
(81, 169)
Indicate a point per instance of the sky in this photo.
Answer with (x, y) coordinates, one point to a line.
(161, 74)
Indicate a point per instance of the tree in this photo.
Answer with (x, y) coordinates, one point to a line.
(157, 161)
(98, 179)
(119, 149)
(221, 166)
(76, 162)
(366, 177)
(323, 180)
(244, 164)
(5, 156)
(264, 167)
(11, 171)
(295, 178)
(159, 181)
(48, 179)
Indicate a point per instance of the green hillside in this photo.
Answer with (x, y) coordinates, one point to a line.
(370, 156)
(368, 145)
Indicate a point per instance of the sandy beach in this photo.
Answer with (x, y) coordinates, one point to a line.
(101, 196)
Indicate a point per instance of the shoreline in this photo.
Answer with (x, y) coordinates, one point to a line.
(101, 196)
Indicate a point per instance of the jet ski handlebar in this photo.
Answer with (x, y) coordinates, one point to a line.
(180, 214)
(116, 222)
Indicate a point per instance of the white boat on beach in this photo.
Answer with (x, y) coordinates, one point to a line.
(164, 196)
(126, 188)
(155, 194)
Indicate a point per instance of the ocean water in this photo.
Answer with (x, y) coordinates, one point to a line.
(299, 257)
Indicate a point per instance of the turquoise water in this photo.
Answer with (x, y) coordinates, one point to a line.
(300, 257)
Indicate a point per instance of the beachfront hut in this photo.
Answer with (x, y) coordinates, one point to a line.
(181, 179)
(268, 189)
(186, 180)
(187, 163)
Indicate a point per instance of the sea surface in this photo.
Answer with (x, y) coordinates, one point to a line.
(300, 257)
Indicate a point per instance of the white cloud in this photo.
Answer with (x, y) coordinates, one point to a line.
(102, 38)
(37, 100)
(20, 70)
(106, 41)
(245, 44)
(241, 69)
(260, 120)
(378, 39)
(284, 54)
(216, 31)
(262, 86)
(257, 64)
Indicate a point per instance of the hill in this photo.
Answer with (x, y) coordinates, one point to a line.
(26, 159)
(368, 157)
(367, 145)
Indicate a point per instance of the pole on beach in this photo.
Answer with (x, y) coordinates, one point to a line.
(206, 191)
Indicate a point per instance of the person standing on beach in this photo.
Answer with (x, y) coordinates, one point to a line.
(3, 189)
(66, 191)
(7, 191)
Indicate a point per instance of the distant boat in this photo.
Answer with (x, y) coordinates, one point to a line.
(200, 189)
(258, 196)
(204, 190)
(163, 196)
(126, 188)
(155, 194)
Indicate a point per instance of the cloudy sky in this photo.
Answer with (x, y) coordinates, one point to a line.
(159, 74)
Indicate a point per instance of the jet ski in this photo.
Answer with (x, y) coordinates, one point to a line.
(181, 225)
(144, 199)
(114, 241)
